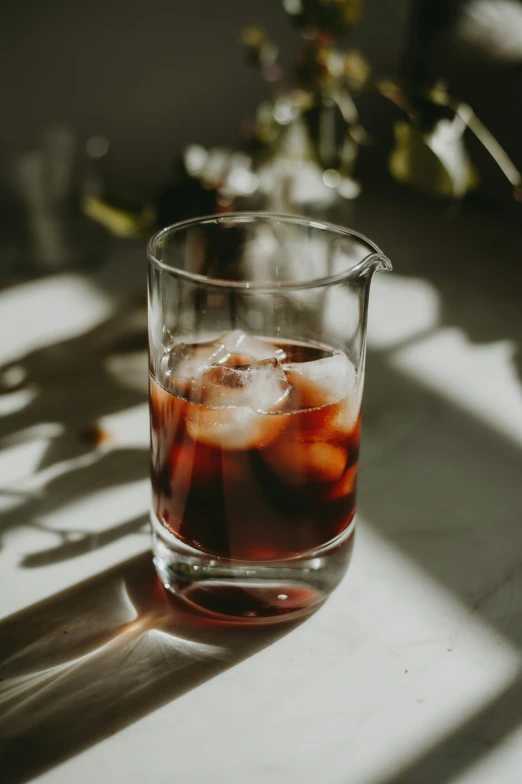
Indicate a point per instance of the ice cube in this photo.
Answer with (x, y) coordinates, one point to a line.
(237, 429)
(238, 342)
(311, 462)
(232, 386)
(344, 419)
(323, 381)
(184, 366)
(345, 486)
(261, 386)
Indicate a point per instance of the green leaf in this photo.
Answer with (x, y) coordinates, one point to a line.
(435, 162)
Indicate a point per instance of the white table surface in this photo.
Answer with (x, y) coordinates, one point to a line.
(411, 672)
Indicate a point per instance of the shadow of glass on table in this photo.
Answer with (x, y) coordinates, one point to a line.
(80, 666)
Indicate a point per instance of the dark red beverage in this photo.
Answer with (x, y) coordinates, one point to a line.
(254, 446)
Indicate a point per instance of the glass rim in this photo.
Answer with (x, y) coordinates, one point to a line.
(375, 255)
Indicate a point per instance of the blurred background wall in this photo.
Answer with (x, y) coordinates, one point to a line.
(151, 76)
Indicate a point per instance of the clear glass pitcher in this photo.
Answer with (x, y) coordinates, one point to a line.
(257, 328)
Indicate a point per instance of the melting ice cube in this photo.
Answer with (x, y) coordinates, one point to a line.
(327, 380)
(237, 382)
(261, 386)
(234, 370)
(238, 342)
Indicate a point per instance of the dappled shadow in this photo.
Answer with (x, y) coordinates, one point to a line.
(467, 744)
(82, 665)
(84, 542)
(436, 479)
(438, 482)
(101, 470)
(445, 488)
(473, 260)
(74, 384)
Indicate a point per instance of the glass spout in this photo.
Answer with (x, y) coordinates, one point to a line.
(374, 262)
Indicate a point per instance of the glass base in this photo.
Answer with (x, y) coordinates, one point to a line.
(250, 591)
